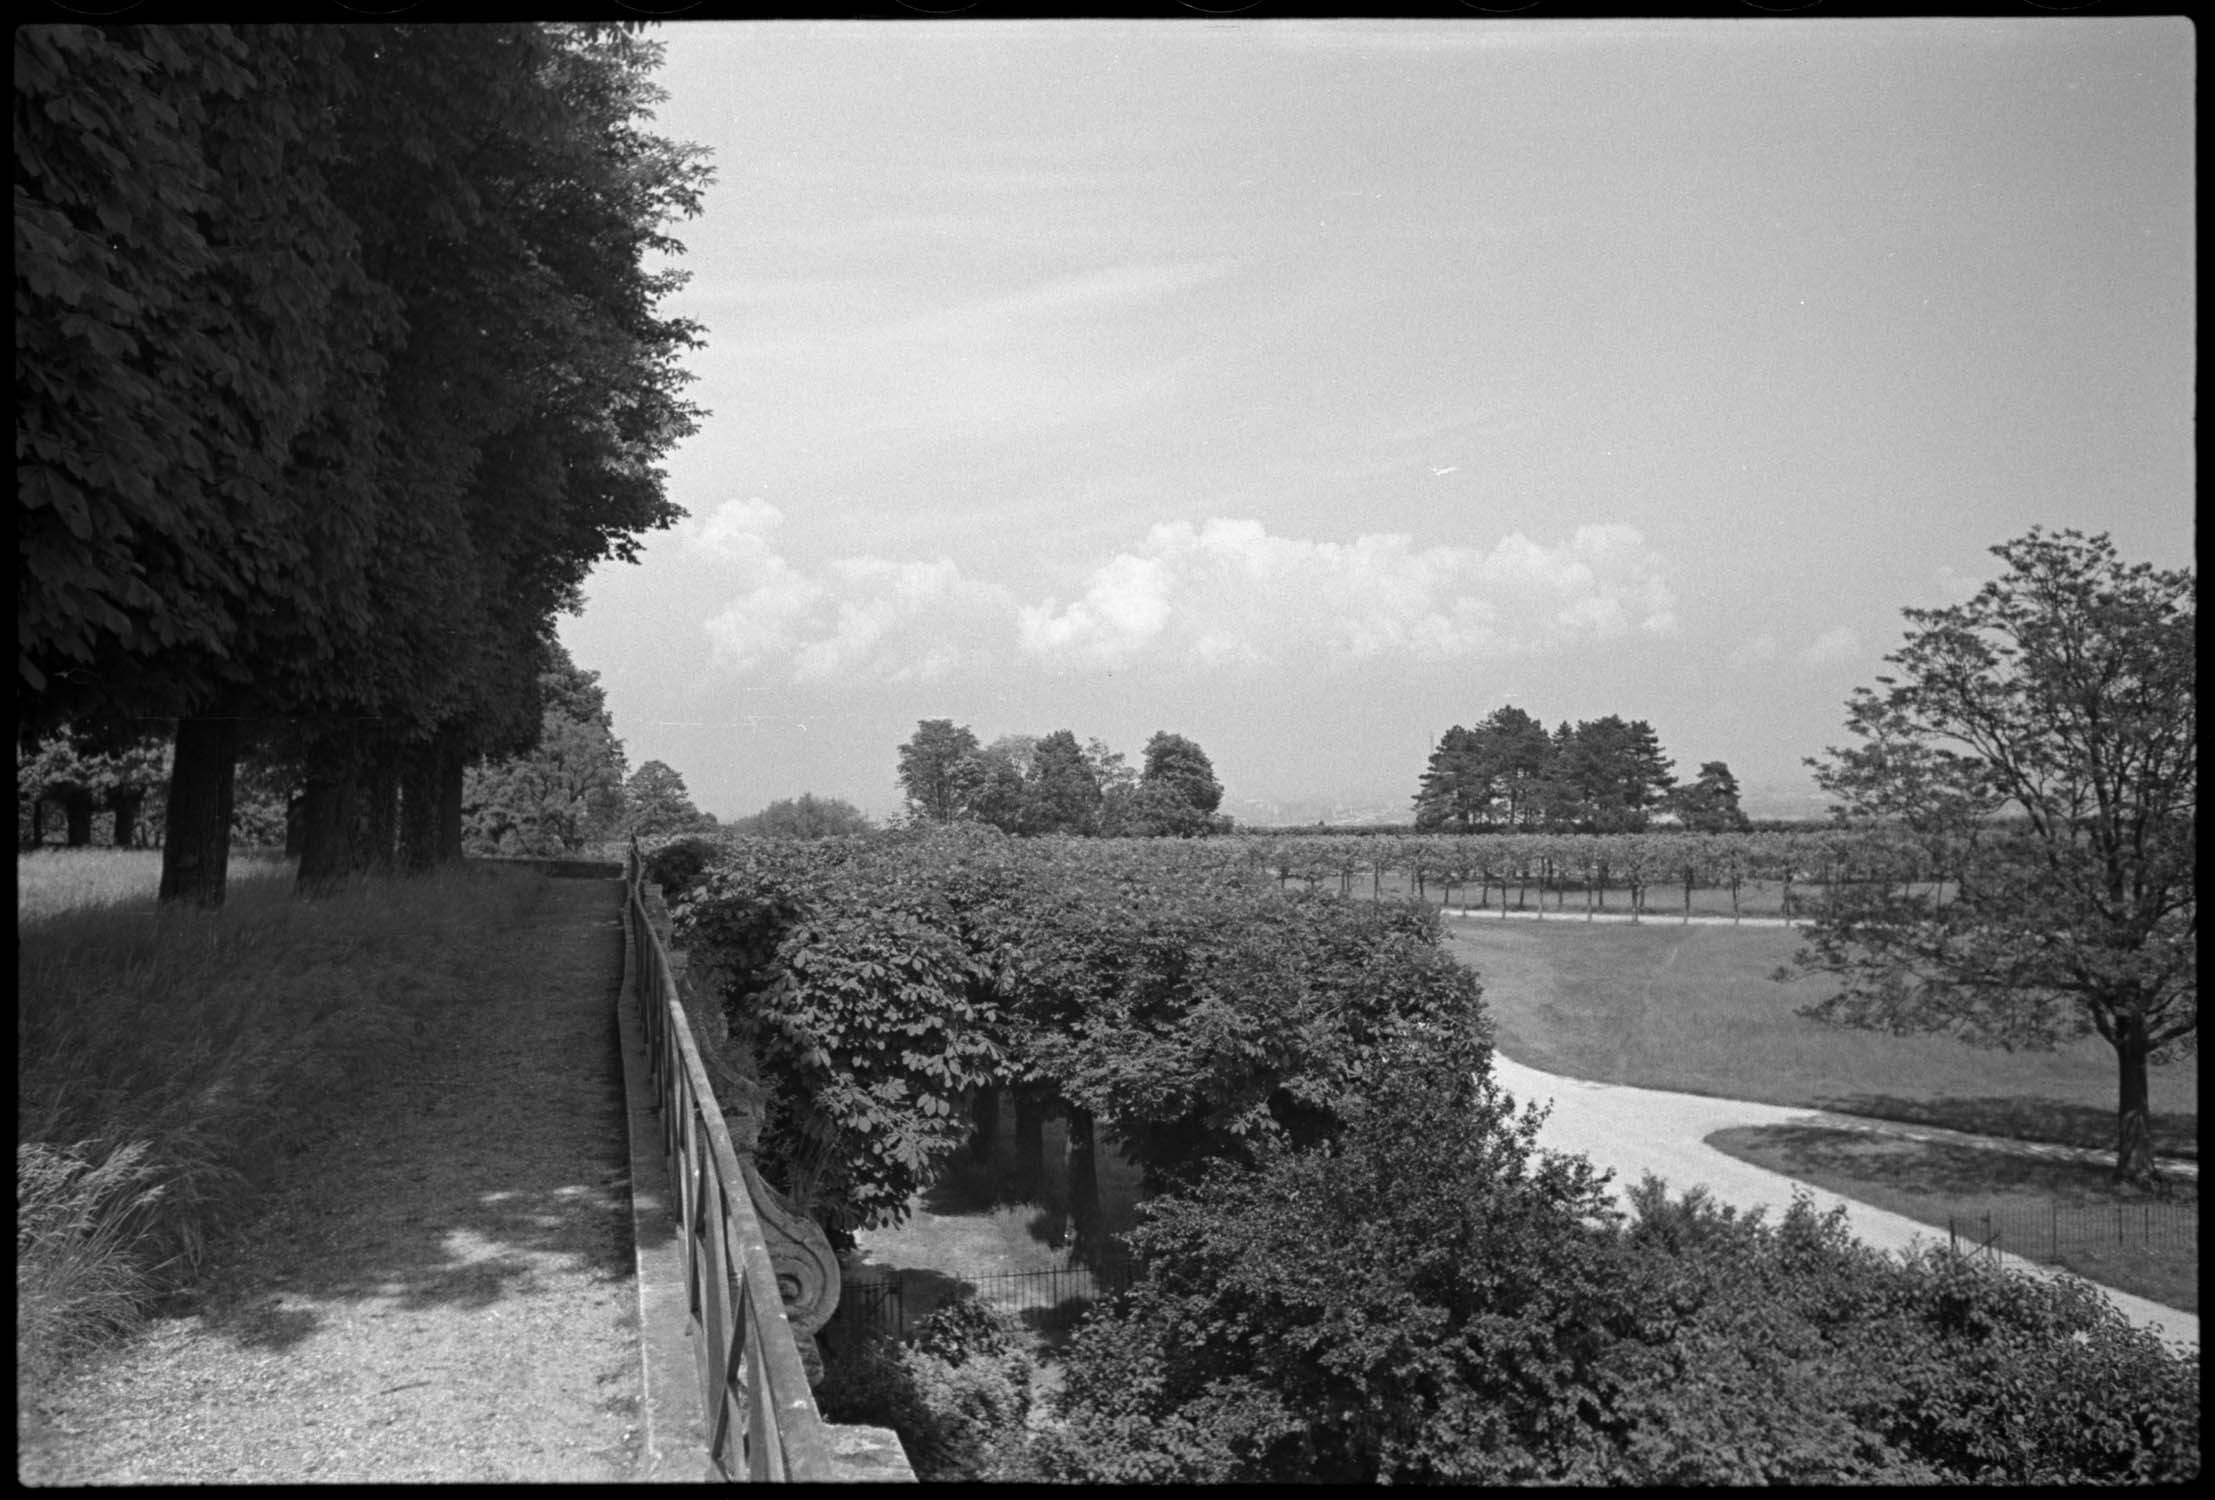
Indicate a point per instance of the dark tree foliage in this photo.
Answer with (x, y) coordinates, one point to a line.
(1709, 804)
(1603, 775)
(1177, 792)
(338, 367)
(1184, 1009)
(1061, 794)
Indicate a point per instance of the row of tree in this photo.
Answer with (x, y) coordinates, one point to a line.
(1598, 776)
(1032, 784)
(338, 366)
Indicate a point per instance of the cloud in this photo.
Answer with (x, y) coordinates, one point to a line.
(1837, 645)
(1228, 592)
(1224, 593)
(901, 621)
(736, 530)
(856, 617)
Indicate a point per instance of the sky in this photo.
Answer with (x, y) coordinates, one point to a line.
(1307, 388)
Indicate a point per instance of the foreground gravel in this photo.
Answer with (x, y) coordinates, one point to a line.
(443, 1292)
(1636, 1131)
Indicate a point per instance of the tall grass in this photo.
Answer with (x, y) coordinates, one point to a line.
(167, 1060)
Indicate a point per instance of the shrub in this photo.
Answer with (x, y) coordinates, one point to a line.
(677, 865)
(958, 1394)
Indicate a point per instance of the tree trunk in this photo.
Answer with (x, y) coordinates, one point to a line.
(985, 1115)
(296, 826)
(453, 761)
(77, 811)
(419, 788)
(327, 822)
(196, 841)
(1084, 1187)
(377, 809)
(125, 807)
(2134, 1112)
(1030, 1148)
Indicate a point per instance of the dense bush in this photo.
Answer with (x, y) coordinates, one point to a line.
(676, 866)
(1420, 1303)
(1426, 1298)
(1189, 1006)
(958, 1392)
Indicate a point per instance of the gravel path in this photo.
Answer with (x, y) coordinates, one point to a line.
(1636, 1131)
(443, 1292)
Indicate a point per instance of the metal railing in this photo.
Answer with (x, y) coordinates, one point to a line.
(1045, 1298)
(2059, 1232)
(761, 1414)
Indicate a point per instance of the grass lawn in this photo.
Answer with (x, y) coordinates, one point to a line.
(1694, 1009)
(2066, 1213)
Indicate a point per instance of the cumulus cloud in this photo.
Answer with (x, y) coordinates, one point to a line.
(1227, 591)
(857, 616)
(736, 530)
(1841, 644)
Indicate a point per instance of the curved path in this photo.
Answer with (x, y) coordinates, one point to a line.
(1636, 1131)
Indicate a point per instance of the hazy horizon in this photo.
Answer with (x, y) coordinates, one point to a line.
(1306, 388)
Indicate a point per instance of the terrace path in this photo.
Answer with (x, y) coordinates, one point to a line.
(442, 1290)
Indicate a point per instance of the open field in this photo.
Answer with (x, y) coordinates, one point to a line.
(1694, 1009)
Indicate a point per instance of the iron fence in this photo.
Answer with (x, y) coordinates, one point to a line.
(895, 1303)
(2059, 1231)
(763, 1422)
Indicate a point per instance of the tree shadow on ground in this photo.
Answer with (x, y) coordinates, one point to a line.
(2024, 1118)
(1942, 1170)
(465, 1173)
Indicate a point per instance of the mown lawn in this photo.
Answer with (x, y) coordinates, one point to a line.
(1694, 1009)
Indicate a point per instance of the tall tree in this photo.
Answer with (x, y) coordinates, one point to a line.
(1709, 803)
(997, 775)
(1454, 795)
(1117, 783)
(1612, 774)
(1514, 752)
(2043, 738)
(563, 791)
(1177, 790)
(939, 770)
(658, 802)
(1060, 795)
(338, 366)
